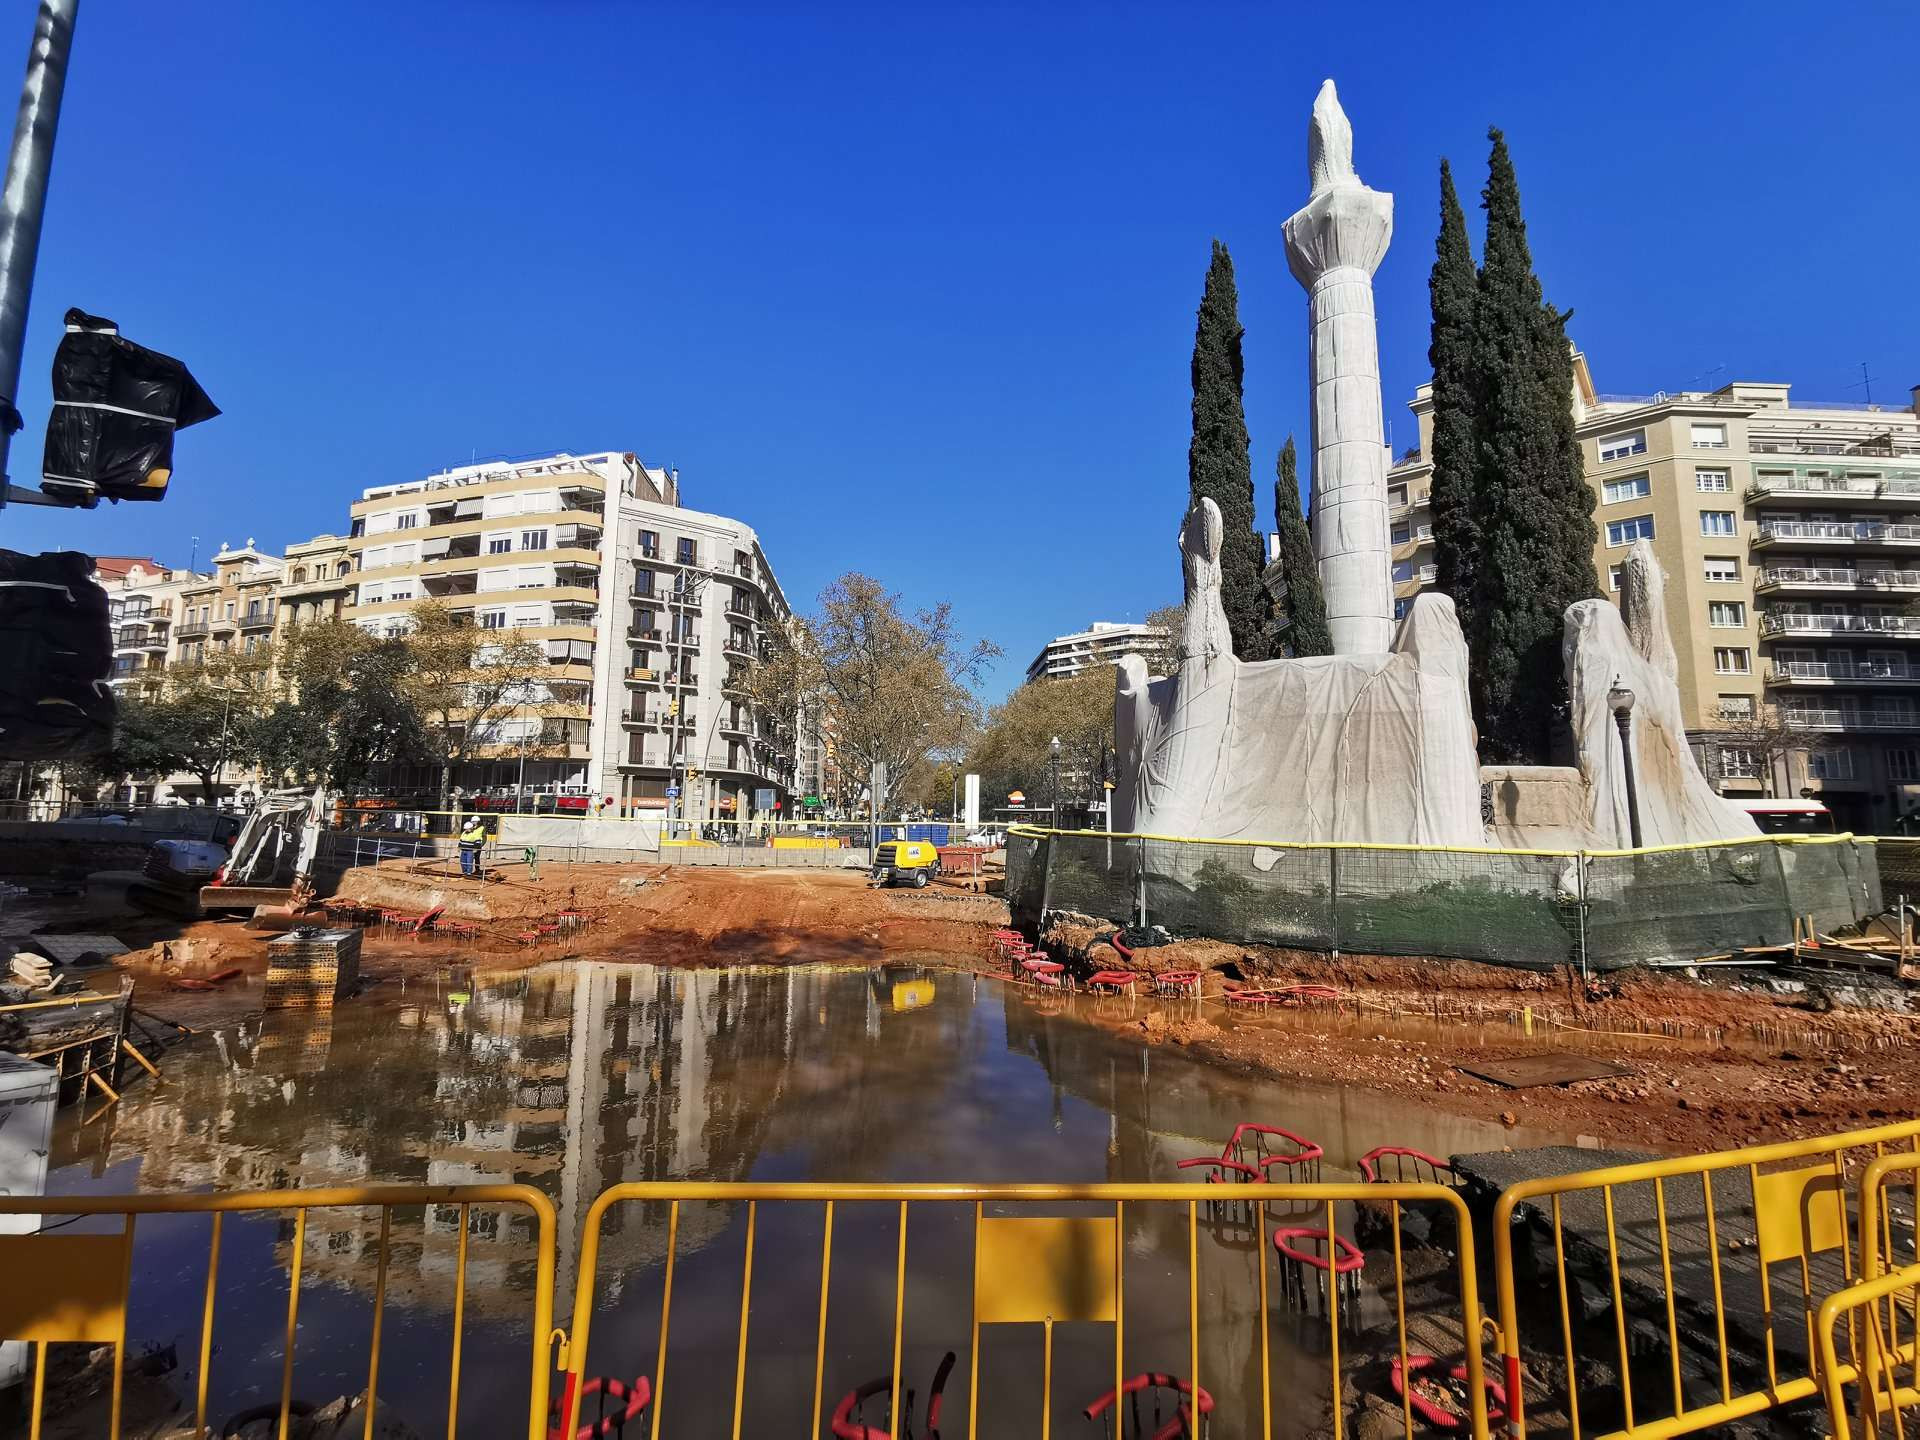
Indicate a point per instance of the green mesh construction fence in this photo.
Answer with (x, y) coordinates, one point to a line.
(1607, 909)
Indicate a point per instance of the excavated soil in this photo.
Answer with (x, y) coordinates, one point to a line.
(1727, 1059)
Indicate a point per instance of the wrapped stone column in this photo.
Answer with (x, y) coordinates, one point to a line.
(1334, 244)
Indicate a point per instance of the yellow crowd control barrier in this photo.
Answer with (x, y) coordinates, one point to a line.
(1124, 1259)
(63, 1285)
(1871, 1310)
(1731, 1243)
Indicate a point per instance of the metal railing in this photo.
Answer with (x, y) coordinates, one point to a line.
(1844, 719)
(1862, 670)
(1774, 621)
(91, 1273)
(1036, 1271)
(1661, 1229)
(1837, 530)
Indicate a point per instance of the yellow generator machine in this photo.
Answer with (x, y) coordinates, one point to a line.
(911, 862)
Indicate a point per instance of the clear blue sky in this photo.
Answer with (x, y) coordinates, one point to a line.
(911, 289)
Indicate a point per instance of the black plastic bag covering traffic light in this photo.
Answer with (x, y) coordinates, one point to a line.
(56, 649)
(116, 406)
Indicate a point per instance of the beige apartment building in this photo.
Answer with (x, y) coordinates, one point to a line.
(1790, 537)
(142, 606)
(316, 582)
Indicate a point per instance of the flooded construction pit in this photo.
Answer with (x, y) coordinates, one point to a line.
(576, 1077)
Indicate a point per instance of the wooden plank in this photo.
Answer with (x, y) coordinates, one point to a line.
(1553, 1067)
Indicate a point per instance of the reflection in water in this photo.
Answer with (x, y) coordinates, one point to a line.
(574, 1078)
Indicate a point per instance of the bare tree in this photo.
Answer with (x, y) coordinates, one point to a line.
(1760, 744)
(466, 682)
(892, 689)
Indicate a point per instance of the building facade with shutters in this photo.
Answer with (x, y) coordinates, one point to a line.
(637, 602)
(1790, 537)
(1103, 642)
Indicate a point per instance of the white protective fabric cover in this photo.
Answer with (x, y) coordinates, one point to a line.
(1345, 747)
(1602, 646)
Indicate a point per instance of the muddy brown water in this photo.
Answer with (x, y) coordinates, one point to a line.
(575, 1077)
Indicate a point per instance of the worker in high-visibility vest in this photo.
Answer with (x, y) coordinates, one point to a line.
(472, 839)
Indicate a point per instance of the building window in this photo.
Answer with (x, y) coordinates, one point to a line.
(1625, 532)
(683, 552)
(1834, 764)
(533, 539)
(1716, 522)
(1732, 660)
(1634, 487)
(1903, 765)
(1619, 447)
(1727, 614)
(1400, 609)
(500, 545)
(1738, 764)
(650, 544)
(493, 619)
(1736, 708)
(643, 581)
(1709, 437)
(405, 520)
(1714, 482)
(1613, 576)
(1401, 533)
(1722, 569)
(1402, 570)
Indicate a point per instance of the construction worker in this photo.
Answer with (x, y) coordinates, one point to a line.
(472, 838)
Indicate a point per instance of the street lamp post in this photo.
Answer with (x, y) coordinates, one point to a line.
(1053, 799)
(1620, 701)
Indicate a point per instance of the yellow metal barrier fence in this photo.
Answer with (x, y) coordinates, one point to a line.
(58, 1286)
(1870, 1308)
(1663, 1238)
(1129, 1258)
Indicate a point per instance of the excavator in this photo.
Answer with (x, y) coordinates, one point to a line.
(270, 868)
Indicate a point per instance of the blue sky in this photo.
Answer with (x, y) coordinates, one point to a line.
(910, 288)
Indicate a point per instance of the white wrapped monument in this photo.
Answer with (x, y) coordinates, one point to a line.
(1375, 743)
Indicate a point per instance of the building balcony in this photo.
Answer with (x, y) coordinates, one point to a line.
(1837, 580)
(740, 649)
(658, 720)
(1428, 574)
(1821, 673)
(1846, 719)
(1826, 533)
(223, 622)
(198, 630)
(1828, 490)
(257, 620)
(688, 643)
(1778, 622)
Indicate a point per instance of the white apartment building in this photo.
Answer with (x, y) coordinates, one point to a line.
(636, 601)
(1103, 642)
(696, 600)
(143, 607)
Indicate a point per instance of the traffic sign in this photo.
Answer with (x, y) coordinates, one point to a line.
(673, 792)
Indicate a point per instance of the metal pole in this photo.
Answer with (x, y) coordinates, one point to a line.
(1624, 718)
(23, 203)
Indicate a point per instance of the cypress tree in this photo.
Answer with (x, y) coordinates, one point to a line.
(1217, 461)
(1452, 289)
(1306, 632)
(1536, 530)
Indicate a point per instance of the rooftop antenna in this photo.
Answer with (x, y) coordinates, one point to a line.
(1704, 374)
(194, 556)
(1865, 382)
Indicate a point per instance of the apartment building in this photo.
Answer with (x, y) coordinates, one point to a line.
(640, 605)
(697, 600)
(1103, 642)
(1790, 537)
(229, 610)
(316, 582)
(143, 605)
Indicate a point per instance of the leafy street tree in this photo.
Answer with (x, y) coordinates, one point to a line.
(1535, 508)
(1217, 463)
(1172, 619)
(1298, 590)
(1762, 743)
(465, 682)
(1014, 750)
(343, 711)
(893, 689)
(1453, 289)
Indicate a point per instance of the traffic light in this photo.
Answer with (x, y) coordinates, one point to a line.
(673, 708)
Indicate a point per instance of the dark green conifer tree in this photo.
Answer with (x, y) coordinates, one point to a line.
(1452, 289)
(1217, 462)
(1306, 607)
(1535, 512)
